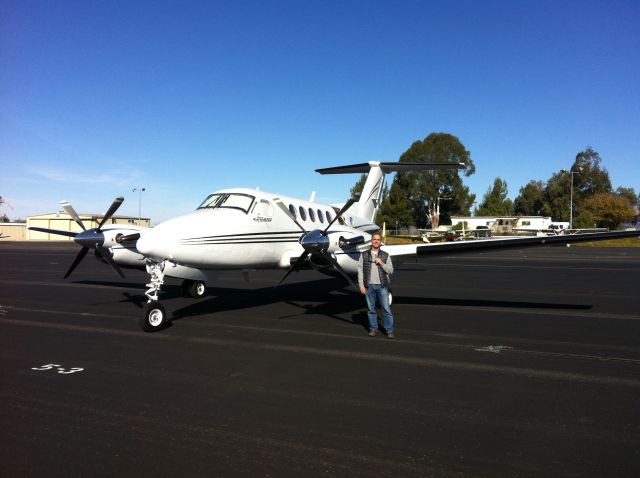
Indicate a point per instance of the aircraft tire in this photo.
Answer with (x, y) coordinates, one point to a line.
(193, 288)
(154, 317)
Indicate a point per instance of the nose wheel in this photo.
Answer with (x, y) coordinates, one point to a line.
(154, 317)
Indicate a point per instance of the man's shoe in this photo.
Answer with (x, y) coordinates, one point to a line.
(372, 333)
(391, 335)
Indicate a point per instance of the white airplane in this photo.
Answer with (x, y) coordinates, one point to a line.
(248, 229)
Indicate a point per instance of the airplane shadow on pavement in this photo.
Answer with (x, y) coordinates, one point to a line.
(325, 297)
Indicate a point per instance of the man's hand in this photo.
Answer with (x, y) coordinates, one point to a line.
(363, 290)
(379, 261)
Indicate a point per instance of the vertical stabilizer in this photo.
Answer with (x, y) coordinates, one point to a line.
(367, 207)
(371, 194)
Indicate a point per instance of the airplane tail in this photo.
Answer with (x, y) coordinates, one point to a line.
(371, 195)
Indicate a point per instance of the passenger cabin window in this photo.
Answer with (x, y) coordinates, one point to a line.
(328, 216)
(240, 201)
(303, 215)
(320, 216)
(292, 210)
(312, 215)
(526, 223)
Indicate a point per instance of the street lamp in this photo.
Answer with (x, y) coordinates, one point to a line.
(570, 196)
(139, 201)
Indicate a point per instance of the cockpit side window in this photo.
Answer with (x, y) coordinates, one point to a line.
(240, 201)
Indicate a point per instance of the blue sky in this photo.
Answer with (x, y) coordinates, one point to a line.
(184, 98)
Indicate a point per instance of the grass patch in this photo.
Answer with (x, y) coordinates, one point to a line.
(403, 240)
(625, 242)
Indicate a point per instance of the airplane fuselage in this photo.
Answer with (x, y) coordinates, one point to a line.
(245, 229)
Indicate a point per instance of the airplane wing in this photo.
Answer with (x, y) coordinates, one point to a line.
(454, 248)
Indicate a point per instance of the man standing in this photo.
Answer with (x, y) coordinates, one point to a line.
(374, 268)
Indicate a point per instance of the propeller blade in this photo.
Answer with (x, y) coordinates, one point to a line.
(106, 255)
(114, 207)
(72, 212)
(285, 209)
(76, 261)
(344, 209)
(299, 261)
(337, 267)
(53, 231)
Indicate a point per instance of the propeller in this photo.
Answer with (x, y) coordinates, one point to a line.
(317, 242)
(89, 238)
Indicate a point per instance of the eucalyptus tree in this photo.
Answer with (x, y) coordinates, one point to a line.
(424, 197)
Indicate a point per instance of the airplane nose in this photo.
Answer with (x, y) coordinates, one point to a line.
(148, 245)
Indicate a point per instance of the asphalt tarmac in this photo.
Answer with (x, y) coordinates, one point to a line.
(516, 363)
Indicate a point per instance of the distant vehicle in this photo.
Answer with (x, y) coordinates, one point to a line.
(558, 227)
(453, 235)
(482, 231)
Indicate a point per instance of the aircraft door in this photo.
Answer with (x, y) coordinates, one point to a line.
(263, 212)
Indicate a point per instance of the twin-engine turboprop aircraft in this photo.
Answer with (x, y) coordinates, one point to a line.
(247, 229)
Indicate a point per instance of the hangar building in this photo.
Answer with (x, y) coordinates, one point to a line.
(63, 222)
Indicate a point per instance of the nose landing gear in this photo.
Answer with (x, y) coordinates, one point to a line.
(154, 315)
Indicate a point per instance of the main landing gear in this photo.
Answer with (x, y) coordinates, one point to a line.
(154, 316)
(193, 288)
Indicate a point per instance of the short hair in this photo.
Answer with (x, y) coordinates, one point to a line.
(377, 233)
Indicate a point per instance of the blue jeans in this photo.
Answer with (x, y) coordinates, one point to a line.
(377, 291)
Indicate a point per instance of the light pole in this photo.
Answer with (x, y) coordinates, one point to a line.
(139, 202)
(571, 197)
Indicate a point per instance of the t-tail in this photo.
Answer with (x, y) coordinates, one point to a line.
(369, 202)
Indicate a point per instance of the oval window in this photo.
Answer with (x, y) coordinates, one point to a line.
(303, 215)
(312, 215)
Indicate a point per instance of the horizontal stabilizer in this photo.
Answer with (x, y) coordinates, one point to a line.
(389, 167)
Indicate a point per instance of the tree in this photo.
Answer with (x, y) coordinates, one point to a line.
(606, 210)
(358, 186)
(557, 196)
(629, 194)
(590, 177)
(495, 201)
(426, 197)
(531, 200)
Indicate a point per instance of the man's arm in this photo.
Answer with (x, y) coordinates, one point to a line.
(387, 266)
(361, 273)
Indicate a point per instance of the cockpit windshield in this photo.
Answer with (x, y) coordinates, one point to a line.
(228, 200)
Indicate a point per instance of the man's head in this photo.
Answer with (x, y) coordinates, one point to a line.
(376, 239)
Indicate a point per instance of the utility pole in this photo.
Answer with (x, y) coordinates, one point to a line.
(570, 196)
(139, 202)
